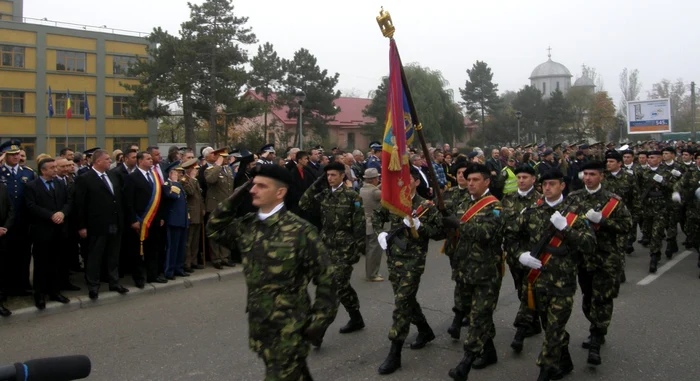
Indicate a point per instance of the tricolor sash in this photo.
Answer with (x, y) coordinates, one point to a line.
(471, 212)
(607, 210)
(532, 276)
(151, 209)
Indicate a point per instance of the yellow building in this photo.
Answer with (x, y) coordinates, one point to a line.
(84, 63)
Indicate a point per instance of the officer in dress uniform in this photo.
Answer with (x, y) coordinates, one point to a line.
(219, 180)
(15, 265)
(373, 161)
(267, 155)
(177, 221)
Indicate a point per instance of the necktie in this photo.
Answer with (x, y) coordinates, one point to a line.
(148, 176)
(104, 179)
(14, 171)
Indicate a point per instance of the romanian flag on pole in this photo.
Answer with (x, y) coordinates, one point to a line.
(69, 110)
(398, 135)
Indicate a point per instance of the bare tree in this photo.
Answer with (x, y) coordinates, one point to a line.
(630, 86)
(351, 93)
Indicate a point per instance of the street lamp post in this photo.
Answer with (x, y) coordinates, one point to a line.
(301, 97)
(518, 115)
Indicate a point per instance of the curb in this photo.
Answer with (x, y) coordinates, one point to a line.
(111, 297)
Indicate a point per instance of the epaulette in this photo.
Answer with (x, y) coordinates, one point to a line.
(21, 167)
(213, 166)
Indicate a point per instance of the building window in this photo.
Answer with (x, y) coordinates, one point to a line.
(351, 141)
(70, 61)
(74, 144)
(77, 104)
(120, 106)
(12, 102)
(29, 147)
(122, 64)
(124, 142)
(544, 88)
(12, 56)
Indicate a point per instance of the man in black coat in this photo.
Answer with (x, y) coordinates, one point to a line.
(48, 204)
(129, 242)
(99, 204)
(6, 219)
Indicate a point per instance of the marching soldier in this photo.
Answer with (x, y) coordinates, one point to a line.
(687, 192)
(552, 225)
(677, 170)
(480, 264)
(656, 185)
(281, 254)
(406, 255)
(599, 273)
(195, 209)
(343, 232)
(219, 187)
(623, 184)
(527, 321)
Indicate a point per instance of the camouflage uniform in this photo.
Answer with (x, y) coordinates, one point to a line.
(513, 204)
(625, 185)
(407, 266)
(686, 186)
(343, 232)
(656, 198)
(451, 198)
(599, 272)
(676, 212)
(281, 255)
(555, 288)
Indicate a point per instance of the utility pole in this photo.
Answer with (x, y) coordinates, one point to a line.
(212, 111)
(692, 107)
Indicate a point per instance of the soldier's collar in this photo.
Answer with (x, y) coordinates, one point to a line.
(480, 197)
(526, 192)
(594, 191)
(265, 216)
(669, 164)
(555, 203)
(16, 167)
(616, 173)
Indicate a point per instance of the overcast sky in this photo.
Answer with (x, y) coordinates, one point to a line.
(660, 38)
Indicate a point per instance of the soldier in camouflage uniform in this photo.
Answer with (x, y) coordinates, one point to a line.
(479, 260)
(553, 290)
(452, 197)
(687, 192)
(406, 262)
(281, 253)
(526, 321)
(343, 232)
(656, 185)
(677, 170)
(599, 273)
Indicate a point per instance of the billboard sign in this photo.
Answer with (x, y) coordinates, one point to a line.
(649, 117)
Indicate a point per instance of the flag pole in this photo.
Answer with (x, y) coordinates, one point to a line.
(387, 27)
(48, 135)
(86, 107)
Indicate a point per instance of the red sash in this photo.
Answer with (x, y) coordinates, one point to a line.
(476, 208)
(607, 210)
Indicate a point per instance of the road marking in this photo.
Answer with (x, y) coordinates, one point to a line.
(652, 277)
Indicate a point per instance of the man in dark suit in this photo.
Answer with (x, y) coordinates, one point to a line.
(65, 176)
(99, 203)
(138, 191)
(6, 220)
(48, 204)
(424, 190)
(129, 242)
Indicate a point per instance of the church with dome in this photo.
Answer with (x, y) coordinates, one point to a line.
(550, 76)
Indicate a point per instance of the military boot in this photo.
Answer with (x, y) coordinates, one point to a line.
(566, 366)
(671, 248)
(518, 340)
(544, 374)
(355, 324)
(456, 327)
(425, 335)
(623, 277)
(654, 263)
(535, 328)
(461, 371)
(594, 351)
(487, 357)
(393, 360)
(587, 343)
(4, 312)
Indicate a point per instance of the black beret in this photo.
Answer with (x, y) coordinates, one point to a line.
(689, 150)
(472, 155)
(335, 166)
(627, 152)
(593, 165)
(525, 169)
(655, 152)
(477, 168)
(613, 155)
(646, 153)
(669, 149)
(553, 174)
(547, 152)
(460, 164)
(276, 172)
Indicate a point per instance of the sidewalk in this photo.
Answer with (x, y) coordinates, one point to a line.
(23, 308)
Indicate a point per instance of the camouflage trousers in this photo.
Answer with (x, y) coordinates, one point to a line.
(692, 228)
(407, 311)
(525, 317)
(675, 216)
(554, 311)
(599, 289)
(285, 368)
(342, 272)
(655, 221)
(480, 301)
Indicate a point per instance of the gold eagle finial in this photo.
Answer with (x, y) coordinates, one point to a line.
(385, 24)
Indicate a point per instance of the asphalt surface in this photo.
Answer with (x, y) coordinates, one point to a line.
(200, 333)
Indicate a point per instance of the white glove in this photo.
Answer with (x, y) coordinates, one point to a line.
(559, 221)
(580, 175)
(676, 197)
(658, 178)
(407, 222)
(594, 216)
(382, 240)
(528, 260)
(697, 193)
(676, 173)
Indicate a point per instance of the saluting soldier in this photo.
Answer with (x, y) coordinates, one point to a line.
(406, 255)
(623, 184)
(527, 321)
(196, 210)
(687, 192)
(677, 170)
(480, 264)
(219, 187)
(374, 161)
(552, 278)
(599, 273)
(267, 155)
(281, 254)
(343, 228)
(656, 185)
(15, 267)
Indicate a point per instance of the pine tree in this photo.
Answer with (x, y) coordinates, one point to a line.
(266, 77)
(480, 94)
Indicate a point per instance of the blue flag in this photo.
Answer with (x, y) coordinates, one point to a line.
(87, 108)
(50, 103)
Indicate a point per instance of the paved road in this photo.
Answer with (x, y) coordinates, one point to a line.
(200, 333)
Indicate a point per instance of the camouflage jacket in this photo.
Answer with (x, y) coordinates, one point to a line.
(342, 219)
(625, 186)
(608, 230)
(451, 198)
(687, 185)
(513, 204)
(281, 255)
(656, 193)
(578, 241)
(412, 258)
(478, 254)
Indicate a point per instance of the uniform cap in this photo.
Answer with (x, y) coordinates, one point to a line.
(375, 145)
(617, 156)
(525, 169)
(547, 152)
(654, 152)
(220, 152)
(268, 148)
(172, 166)
(11, 146)
(584, 146)
(669, 149)
(593, 165)
(89, 152)
(552, 174)
(189, 163)
(275, 172)
(477, 168)
(334, 166)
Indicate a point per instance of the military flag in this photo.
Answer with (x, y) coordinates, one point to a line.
(87, 108)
